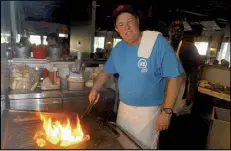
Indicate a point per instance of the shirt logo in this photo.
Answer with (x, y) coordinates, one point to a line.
(142, 64)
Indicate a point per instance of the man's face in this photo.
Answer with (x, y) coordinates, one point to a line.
(176, 33)
(127, 26)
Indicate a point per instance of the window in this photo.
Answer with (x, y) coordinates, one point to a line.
(35, 39)
(224, 52)
(99, 43)
(63, 35)
(18, 38)
(202, 47)
(115, 41)
(44, 40)
(5, 37)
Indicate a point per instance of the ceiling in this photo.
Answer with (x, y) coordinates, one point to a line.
(153, 14)
(157, 13)
(49, 11)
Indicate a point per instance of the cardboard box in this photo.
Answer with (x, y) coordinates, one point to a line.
(219, 133)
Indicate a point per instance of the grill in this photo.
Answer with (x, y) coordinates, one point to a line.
(19, 127)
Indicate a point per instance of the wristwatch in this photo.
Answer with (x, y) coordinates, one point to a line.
(168, 110)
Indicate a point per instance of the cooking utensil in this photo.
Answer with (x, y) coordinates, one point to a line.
(22, 51)
(88, 109)
(54, 53)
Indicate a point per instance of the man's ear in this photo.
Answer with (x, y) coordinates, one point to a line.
(116, 29)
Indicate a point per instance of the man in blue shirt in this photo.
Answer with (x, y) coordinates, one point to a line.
(141, 80)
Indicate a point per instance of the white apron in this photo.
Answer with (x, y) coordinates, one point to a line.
(180, 106)
(140, 122)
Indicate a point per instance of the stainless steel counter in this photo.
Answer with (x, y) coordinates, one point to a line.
(61, 100)
(39, 94)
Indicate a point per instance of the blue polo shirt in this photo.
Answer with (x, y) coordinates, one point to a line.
(142, 81)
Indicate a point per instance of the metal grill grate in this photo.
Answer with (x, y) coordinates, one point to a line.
(19, 135)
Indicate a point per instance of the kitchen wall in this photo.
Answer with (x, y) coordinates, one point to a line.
(82, 28)
(80, 37)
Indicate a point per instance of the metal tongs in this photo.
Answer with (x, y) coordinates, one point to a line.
(88, 109)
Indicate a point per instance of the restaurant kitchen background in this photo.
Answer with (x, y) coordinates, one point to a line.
(44, 80)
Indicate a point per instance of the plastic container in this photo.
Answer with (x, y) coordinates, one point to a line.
(39, 52)
(52, 76)
(45, 73)
(75, 83)
(58, 79)
(56, 74)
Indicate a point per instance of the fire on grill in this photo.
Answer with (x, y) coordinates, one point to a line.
(59, 133)
(25, 130)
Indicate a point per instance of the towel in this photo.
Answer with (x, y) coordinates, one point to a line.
(147, 42)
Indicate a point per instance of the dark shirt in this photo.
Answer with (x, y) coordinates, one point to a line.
(189, 56)
(190, 60)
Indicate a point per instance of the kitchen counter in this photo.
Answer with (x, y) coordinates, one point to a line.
(218, 95)
(38, 93)
(61, 100)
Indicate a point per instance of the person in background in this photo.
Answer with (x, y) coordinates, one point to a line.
(190, 59)
(224, 63)
(215, 62)
(179, 134)
(141, 81)
(53, 40)
(65, 45)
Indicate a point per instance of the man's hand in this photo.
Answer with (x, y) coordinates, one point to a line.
(100, 80)
(94, 96)
(163, 121)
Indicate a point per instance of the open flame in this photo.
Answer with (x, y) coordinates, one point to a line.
(56, 133)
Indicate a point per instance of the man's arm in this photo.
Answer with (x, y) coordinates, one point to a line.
(173, 89)
(100, 80)
(172, 69)
(109, 69)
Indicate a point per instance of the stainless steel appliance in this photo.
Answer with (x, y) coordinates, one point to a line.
(22, 51)
(26, 124)
(54, 53)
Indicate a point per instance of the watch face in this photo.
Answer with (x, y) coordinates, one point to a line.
(168, 111)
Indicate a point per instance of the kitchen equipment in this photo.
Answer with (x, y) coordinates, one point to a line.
(22, 51)
(126, 140)
(25, 124)
(48, 85)
(75, 83)
(88, 109)
(39, 52)
(54, 53)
